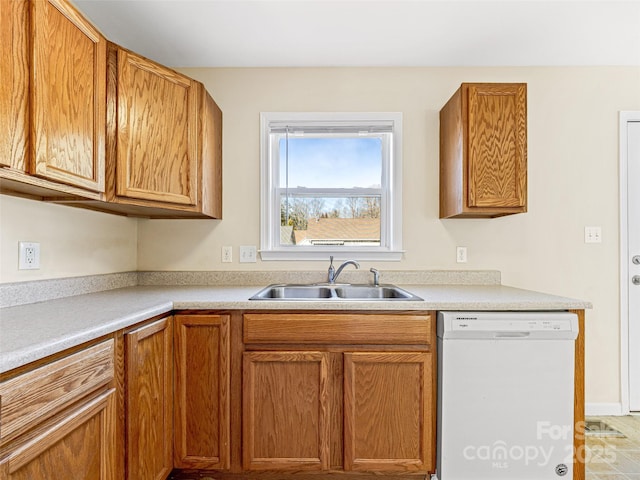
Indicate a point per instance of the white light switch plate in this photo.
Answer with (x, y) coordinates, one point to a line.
(247, 253)
(592, 235)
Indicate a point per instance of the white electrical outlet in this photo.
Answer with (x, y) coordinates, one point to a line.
(227, 254)
(247, 253)
(592, 235)
(461, 254)
(28, 256)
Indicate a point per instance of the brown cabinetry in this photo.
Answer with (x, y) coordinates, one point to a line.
(14, 87)
(483, 151)
(95, 126)
(58, 421)
(395, 389)
(316, 398)
(149, 401)
(201, 392)
(285, 411)
(164, 138)
(53, 99)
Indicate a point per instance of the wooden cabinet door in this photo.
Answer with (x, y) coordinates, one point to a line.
(388, 412)
(149, 401)
(68, 73)
(79, 445)
(285, 411)
(201, 419)
(157, 132)
(497, 157)
(14, 87)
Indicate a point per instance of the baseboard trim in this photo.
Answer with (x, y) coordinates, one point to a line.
(603, 409)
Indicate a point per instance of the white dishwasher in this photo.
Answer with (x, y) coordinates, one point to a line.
(505, 395)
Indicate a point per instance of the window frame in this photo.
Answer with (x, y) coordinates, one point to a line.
(390, 247)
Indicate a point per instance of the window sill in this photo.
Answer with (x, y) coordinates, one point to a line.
(323, 255)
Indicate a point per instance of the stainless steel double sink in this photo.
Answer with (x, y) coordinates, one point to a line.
(334, 292)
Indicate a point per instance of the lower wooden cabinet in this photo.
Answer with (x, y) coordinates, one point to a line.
(149, 401)
(388, 408)
(352, 403)
(58, 421)
(285, 411)
(78, 445)
(201, 392)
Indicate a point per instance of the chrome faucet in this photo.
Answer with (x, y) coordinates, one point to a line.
(332, 274)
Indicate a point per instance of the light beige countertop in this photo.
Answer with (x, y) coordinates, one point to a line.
(33, 331)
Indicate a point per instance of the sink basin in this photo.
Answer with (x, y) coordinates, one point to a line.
(293, 292)
(332, 293)
(368, 292)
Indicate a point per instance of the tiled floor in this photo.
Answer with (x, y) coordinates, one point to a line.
(615, 458)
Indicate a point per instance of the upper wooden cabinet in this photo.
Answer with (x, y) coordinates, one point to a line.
(52, 100)
(14, 87)
(94, 125)
(68, 96)
(483, 151)
(164, 139)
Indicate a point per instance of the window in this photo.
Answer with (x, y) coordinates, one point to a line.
(331, 185)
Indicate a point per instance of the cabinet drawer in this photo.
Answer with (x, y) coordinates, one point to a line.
(32, 397)
(349, 329)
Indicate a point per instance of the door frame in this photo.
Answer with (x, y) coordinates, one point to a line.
(625, 118)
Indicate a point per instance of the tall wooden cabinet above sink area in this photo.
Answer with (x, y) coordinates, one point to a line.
(93, 125)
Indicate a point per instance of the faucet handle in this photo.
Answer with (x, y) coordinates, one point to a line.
(331, 273)
(376, 277)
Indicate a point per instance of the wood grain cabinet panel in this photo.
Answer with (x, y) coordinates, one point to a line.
(201, 392)
(14, 87)
(332, 328)
(285, 411)
(78, 445)
(483, 151)
(164, 140)
(149, 401)
(157, 126)
(388, 412)
(29, 399)
(58, 421)
(68, 72)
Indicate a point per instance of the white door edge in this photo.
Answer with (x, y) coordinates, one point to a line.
(625, 118)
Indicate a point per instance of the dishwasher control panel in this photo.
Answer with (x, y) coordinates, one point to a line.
(511, 325)
(561, 325)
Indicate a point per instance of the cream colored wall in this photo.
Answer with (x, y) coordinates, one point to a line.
(573, 182)
(73, 242)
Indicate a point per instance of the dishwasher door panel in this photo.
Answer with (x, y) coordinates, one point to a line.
(505, 409)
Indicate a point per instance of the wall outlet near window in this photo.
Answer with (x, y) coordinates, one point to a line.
(28, 256)
(461, 254)
(247, 253)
